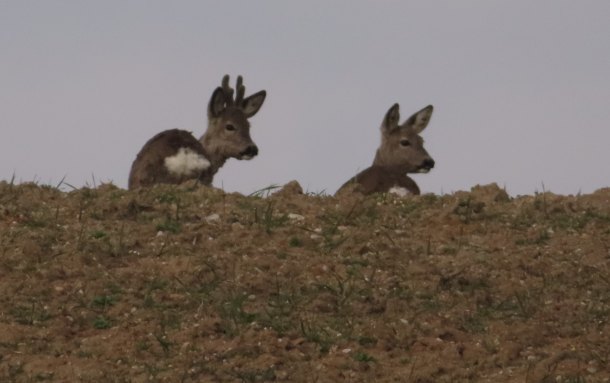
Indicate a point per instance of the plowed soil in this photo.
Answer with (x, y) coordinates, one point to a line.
(192, 284)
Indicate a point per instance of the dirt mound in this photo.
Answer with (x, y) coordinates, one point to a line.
(191, 284)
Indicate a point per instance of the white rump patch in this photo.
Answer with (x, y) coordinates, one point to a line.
(186, 163)
(399, 191)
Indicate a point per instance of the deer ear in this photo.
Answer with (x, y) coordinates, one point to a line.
(217, 103)
(420, 120)
(390, 121)
(253, 103)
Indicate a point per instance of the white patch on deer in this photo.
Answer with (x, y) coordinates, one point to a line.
(186, 163)
(399, 191)
(246, 157)
(423, 170)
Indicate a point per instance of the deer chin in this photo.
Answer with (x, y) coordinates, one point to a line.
(246, 157)
(423, 170)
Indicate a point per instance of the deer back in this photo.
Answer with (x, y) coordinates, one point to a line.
(172, 156)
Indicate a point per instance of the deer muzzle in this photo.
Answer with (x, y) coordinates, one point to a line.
(426, 165)
(250, 152)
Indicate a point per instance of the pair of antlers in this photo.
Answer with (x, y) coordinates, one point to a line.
(228, 91)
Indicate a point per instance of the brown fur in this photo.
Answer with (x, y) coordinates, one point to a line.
(227, 136)
(401, 151)
(149, 169)
(380, 179)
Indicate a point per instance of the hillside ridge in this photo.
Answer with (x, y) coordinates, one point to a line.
(190, 284)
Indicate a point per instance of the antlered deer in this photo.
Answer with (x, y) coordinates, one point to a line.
(401, 151)
(174, 156)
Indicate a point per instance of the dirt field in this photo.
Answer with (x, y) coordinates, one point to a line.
(184, 284)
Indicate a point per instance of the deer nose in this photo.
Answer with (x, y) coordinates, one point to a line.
(250, 151)
(428, 163)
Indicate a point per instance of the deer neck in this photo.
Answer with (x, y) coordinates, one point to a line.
(381, 161)
(216, 158)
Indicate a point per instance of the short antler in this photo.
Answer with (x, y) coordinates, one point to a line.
(227, 90)
(241, 91)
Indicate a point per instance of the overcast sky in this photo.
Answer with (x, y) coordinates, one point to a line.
(521, 88)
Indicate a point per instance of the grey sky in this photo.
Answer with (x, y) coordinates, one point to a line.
(521, 89)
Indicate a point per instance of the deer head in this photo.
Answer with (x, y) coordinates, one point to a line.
(228, 133)
(402, 147)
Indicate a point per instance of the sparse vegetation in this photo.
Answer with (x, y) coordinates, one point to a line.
(183, 283)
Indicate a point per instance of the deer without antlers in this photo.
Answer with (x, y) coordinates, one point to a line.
(401, 151)
(174, 156)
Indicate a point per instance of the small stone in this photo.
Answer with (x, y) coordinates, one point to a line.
(296, 217)
(212, 218)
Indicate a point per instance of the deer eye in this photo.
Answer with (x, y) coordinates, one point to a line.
(229, 127)
(405, 143)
